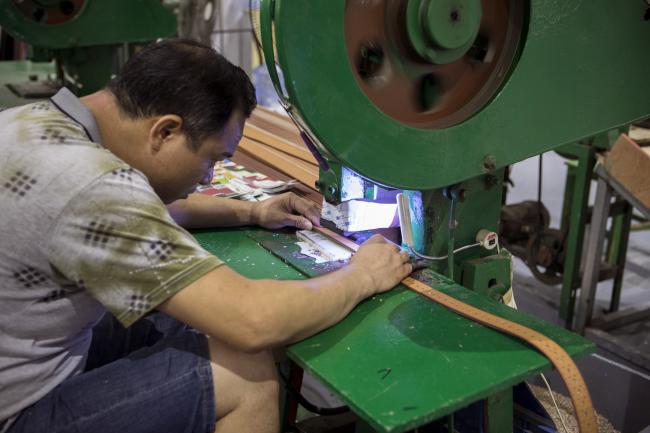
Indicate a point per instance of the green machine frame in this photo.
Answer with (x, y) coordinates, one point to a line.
(85, 37)
(575, 217)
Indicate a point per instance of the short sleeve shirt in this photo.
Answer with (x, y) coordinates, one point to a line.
(81, 232)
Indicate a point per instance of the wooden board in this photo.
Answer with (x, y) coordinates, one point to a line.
(629, 164)
(293, 167)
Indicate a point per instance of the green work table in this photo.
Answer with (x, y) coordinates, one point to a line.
(398, 360)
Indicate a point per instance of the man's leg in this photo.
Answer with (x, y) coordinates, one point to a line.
(182, 382)
(246, 390)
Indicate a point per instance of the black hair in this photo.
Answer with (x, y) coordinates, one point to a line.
(186, 78)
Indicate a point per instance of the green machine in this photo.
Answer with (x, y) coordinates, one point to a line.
(434, 98)
(86, 39)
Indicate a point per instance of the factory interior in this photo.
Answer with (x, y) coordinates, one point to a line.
(504, 145)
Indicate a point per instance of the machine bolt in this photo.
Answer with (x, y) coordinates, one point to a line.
(489, 163)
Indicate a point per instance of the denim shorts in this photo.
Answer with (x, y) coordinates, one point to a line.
(154, 376)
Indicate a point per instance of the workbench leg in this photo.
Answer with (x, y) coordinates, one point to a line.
(594, 255)
(617, 251)
(360, 426)
(499, 412)
(578, 217)
(288, 404)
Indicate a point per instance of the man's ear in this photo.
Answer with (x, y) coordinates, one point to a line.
(163, 129)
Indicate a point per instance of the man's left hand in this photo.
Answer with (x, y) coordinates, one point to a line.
(286, 210)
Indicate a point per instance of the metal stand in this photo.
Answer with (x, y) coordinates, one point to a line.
(607, 187)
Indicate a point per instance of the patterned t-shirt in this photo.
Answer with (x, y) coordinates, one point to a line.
(81, 232)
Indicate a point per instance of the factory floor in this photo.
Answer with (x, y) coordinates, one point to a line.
(619, 388)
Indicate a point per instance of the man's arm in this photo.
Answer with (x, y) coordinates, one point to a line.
(203, 211)
(252, 315)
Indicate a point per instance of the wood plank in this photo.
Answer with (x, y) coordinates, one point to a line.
(619, 318)
(266, 137)
(629, 164)
(296, 168)
(281, 124)
(290, 133)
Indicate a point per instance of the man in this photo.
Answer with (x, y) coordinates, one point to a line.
(85, 230)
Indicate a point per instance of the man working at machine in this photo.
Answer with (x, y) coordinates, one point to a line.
(85, 230)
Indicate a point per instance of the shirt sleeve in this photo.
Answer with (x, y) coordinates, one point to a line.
(116, 240)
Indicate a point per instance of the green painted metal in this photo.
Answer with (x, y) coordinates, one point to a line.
(244, 255)
(574, 217)
(435, 36)
(490, 276)
(400, 360)
(554, 95)
(478, 207)
(90, 67)
(363, 427)
(499, 412)
(330, 183)
(576, 209)
(617, 251)
(100, 22)
(569, 189)
(267, 9)
(450, 424)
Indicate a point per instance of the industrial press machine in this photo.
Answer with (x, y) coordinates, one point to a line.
(75, 43)
(433, 99)
(430, 99)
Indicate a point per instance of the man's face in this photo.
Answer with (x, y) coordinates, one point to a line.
(182, 168)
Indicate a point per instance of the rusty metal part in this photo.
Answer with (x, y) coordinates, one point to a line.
(525, 231)
(520, 220)
(50, 12)
(418, 92)
(545, 255)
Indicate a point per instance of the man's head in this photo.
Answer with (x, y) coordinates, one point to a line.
(193, 104)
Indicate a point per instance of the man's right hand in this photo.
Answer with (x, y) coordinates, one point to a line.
(381, 263)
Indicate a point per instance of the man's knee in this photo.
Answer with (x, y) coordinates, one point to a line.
(243, 379)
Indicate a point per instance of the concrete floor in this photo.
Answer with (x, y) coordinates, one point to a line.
(619, 389)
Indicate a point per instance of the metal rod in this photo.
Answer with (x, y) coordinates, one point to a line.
(452, 229)
(593, 255)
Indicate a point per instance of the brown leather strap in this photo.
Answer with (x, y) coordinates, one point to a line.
(559, 358)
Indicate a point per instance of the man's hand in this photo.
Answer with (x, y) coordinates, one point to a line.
(381, 263)
(286, 210)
